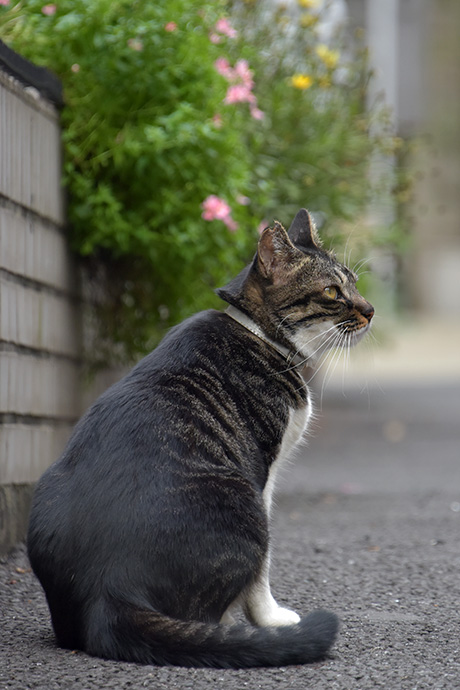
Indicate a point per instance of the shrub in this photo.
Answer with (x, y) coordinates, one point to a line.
(182, 134)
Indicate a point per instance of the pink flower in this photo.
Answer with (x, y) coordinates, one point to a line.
(231, 224)
(170, 26)
(239, 93)
(222, 65)
(242, 84)
(215, 208)
(243, 72)
(4, 2)
(215, 38)
(224, 27)
(49, 10)
(256, 113)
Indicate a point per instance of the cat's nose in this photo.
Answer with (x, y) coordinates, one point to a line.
(368, 311)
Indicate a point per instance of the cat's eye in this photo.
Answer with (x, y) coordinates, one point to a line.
(331, 292)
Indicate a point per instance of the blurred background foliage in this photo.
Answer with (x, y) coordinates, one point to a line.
(172, 103)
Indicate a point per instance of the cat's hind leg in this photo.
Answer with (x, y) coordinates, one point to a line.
(259, 605)
(228, 618)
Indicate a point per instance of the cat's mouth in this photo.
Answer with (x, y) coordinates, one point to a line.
(357, 334)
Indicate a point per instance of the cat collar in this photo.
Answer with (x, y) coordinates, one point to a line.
(291, 357)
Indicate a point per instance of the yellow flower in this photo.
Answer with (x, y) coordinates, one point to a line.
(308, 20)
(301, 81)
(329, 57)
(308, 4)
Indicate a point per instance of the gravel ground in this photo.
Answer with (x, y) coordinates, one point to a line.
(367, 525)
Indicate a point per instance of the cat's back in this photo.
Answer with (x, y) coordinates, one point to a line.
(209, 396)
(197, 349)
(207, 366)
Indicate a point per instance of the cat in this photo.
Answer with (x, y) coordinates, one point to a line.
(153, 526)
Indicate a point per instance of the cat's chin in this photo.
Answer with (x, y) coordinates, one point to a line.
(356, 336)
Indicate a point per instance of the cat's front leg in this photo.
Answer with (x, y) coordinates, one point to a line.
(260, 606)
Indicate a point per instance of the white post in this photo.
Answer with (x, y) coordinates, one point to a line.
(382, 27)
(382, 19)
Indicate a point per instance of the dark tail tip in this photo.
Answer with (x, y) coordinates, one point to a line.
(322, 628)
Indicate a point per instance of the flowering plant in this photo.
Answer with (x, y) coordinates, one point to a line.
(153, 144)
(319, 136)
(183, 129)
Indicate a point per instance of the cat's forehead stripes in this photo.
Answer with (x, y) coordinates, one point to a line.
(341, 279)
(344, 275)
(335, 271)
(321, 266)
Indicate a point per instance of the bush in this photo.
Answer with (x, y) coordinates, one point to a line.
(319, 135)
(175, 150)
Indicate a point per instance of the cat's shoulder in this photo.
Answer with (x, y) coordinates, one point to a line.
(201, 323)
(193, 335)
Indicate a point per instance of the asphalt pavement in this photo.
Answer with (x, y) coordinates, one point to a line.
(367, 524)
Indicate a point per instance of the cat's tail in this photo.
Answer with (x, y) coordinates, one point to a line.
(149, 637)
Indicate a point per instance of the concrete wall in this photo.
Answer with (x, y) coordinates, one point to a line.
(40, 308)
(42, 390)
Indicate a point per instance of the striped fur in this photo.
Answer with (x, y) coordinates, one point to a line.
(154, 524)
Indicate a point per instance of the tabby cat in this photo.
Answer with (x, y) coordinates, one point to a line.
(153, 525)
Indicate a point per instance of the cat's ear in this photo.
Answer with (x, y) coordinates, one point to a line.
(302, 232)
(275, 253)
(273, 261)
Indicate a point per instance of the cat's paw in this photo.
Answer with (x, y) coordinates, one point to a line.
(281, 616)
(276, 616)
(262, 609)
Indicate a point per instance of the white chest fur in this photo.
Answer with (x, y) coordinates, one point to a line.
(295, 429)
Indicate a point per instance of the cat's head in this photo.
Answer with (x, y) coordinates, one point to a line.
(298, 293)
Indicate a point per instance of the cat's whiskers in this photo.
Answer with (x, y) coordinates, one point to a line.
(346, 352)
(334, 360)
(333, 341)
(322, 345)
(342, 344)
(370, 342)
(281, 323)
(310, 355)
(360, 264)
(346, 259)
(299, 350)
(372, 337)
(324, 361)
(334, 335)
